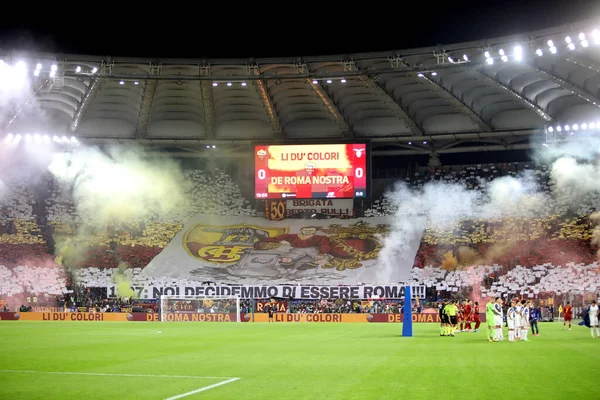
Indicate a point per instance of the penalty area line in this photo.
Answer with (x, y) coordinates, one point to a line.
(203, 389)
(117, 375)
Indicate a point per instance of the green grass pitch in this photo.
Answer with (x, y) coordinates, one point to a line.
(289, 361)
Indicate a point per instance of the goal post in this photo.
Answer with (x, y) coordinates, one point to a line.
(200, 308)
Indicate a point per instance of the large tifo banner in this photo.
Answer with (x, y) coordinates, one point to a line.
(254, 251)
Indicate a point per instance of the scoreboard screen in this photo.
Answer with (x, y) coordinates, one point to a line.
(311, 171)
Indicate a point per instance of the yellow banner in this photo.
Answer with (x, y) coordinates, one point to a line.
(74, 316)
(260, 317)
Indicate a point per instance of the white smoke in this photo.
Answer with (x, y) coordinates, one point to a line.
(574, 175)
(116, 186)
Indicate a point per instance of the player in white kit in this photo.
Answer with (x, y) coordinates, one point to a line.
(524, 319)
(511, 321)
(498, 319)
(593, 314)
(518, 314)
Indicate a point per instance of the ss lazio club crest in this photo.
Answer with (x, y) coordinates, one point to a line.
(261, 154)
(309, 168)
(358, 152)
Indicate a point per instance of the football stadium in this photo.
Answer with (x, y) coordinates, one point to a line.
(402, 224)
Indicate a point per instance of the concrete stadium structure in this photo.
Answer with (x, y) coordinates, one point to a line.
(489, 95)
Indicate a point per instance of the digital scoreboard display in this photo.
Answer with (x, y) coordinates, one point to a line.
(311, 171)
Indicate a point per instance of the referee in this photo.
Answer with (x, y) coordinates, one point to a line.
(443, 318)
(451, 311)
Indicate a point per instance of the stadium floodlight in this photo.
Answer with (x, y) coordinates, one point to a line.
(94, 70)
(121, 82)
(575, 127)
(451, 59)
(343, 80)
(487, 54)
(568, 39)
(53, 69)
(539, 52)
(46, 139)
(215, 84)
(8, 138)
(584, 126)
(78, 69)
(584, 43)
(490, 61)
(518, 53)
(37, 138)
(420, 75)
(550, 129)
(243, 83)
(465, 57)
(197, 308)
(28, 138)
(559, 128)
(571, 46)
(592, 125)
(229, 83)
(315, 81)
(434, 73)
(328, 80)
(136, 83)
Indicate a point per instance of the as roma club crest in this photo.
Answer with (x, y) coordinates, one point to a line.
(309, 168)
(261, 154)
(225, 244)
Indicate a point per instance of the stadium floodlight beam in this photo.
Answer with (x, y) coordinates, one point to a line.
(596, 36)
(518, 53)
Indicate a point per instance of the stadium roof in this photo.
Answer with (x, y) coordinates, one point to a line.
(487, 95)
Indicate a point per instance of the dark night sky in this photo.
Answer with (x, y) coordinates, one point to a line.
(295, 29)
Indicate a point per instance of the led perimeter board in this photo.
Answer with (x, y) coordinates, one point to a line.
(311, 171)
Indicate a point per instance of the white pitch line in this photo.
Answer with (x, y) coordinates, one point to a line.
(202, 389)
(123, 375)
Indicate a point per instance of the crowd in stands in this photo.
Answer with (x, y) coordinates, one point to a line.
(520, 267)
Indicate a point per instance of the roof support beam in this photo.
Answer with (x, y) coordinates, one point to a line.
(328, 102)
(86, 100)
(208, 104)
(581, 93)
(537, 109)
(459, 104)
(413, 151)
(385, 97)
(146, 103)
(43, 86)
(267, 101)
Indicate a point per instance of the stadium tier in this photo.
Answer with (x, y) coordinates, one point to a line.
(134, 175)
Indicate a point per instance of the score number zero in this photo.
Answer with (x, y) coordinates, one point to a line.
(358, 172)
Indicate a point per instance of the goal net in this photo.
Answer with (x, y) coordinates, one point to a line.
(200, 308)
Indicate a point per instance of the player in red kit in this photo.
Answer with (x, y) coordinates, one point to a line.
(476, 317)
(568, 310)
(467, 316)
